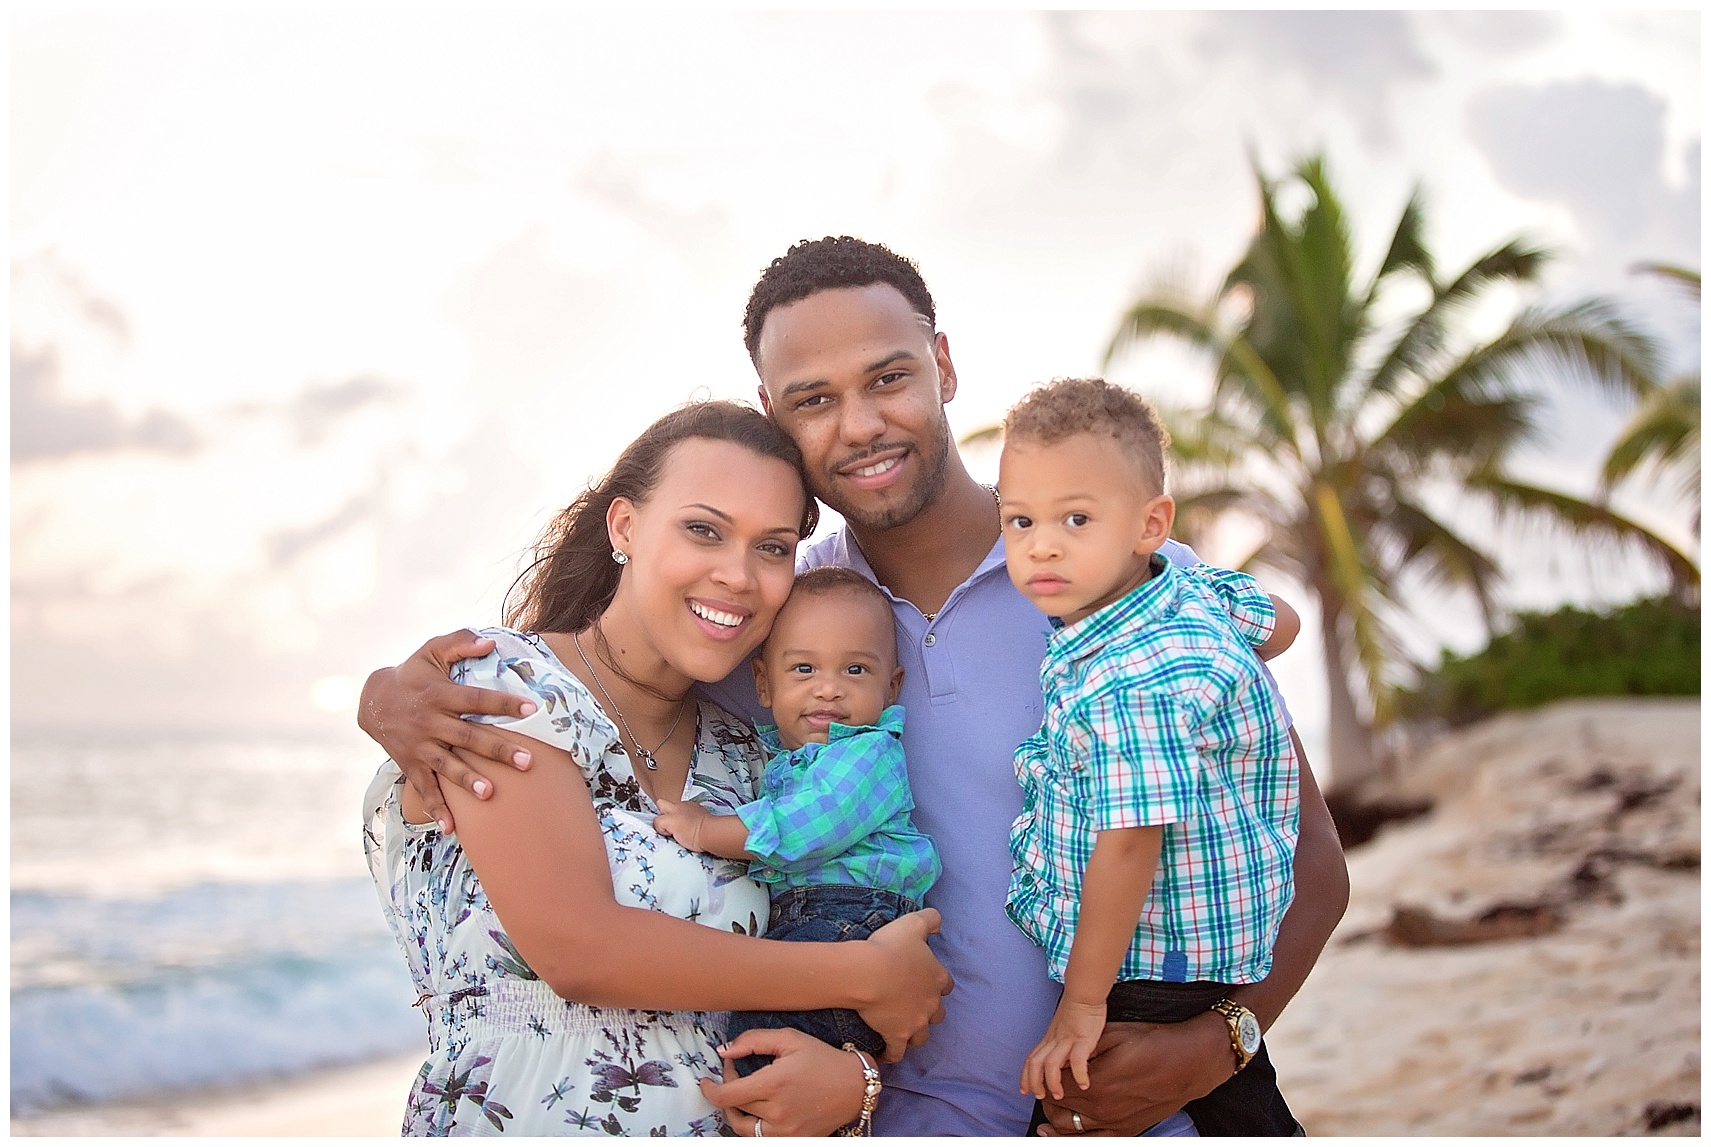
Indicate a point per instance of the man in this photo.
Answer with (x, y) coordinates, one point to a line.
(842, 335)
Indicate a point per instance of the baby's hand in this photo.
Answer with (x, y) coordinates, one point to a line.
(1070, 1038)
(682, 821)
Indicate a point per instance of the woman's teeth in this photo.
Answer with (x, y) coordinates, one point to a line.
(716, 616)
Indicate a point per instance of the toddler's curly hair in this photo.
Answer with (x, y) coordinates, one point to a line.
(1065, 407)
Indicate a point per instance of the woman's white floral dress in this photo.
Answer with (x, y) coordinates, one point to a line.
(505, 1053)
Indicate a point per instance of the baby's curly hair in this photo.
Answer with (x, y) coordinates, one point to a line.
(816, 265)
(1068, 406)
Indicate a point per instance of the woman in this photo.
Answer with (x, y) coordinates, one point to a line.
(668, 572)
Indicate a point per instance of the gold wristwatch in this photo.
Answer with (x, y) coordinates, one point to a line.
(1244, 1030)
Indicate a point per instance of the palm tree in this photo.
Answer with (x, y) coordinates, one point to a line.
(1663, 433)
(1335, 425)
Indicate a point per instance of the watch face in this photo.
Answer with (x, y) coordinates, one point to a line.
(1247, 1030)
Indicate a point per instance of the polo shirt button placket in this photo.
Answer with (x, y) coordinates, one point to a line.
(930, 640)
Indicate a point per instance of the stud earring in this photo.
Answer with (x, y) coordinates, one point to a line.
(620, 557)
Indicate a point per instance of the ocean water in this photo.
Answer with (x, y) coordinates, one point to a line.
(190, 910)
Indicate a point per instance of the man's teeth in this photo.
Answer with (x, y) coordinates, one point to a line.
(876, 468)
(717, 617)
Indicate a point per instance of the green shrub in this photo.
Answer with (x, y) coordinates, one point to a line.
(1645, 648)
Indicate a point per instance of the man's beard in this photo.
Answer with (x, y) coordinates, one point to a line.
(925, 492)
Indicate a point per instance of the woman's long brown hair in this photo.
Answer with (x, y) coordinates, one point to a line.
(571, 577)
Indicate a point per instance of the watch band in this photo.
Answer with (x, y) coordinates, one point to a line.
(1243, 1023)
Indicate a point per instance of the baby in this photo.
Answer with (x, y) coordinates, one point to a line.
(1154, 854)
(831, 831)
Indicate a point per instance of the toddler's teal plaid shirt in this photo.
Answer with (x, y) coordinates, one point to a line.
(838, 813)
(1156, 713)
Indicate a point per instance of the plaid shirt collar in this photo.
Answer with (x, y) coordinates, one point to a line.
(891, 721)
(1141, 606)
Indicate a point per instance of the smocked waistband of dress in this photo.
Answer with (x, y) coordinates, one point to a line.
(518, 1007)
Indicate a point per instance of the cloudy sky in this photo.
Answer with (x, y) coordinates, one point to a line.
(316, 316)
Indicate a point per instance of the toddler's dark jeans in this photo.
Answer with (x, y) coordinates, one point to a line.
(1248, 1103)
(823, 913)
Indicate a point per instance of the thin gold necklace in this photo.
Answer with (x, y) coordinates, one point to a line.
(647, 754)
(996, 501)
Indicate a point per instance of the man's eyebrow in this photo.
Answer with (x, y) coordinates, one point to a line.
(894, 356)
(816, 383)
(799, 387)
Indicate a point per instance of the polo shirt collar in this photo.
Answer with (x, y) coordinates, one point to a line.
(848, 552)
(890, 721)
(1141, 606)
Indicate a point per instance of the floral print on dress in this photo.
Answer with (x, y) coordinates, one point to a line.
(506, 1054)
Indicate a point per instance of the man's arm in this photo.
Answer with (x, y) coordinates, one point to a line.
(415, 712)
(1283, 632)
(1144, 1072)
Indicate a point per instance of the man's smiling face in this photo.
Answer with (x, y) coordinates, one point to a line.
(859, 380)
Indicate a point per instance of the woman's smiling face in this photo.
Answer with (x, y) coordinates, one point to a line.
(712, 555)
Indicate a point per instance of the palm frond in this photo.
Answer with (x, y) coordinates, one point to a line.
(1198, 326)
(1588, 521)
(982, 436)
(1427, 335)
(1687, 280)
(1408, 250)
(1444, 557)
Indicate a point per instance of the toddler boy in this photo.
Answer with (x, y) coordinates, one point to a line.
(830, 831)
(1154, 852)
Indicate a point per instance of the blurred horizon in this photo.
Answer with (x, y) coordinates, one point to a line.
(317, 316)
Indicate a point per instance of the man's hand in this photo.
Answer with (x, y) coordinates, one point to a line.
(809, 1088)
(1141, 1073)
(415, 712)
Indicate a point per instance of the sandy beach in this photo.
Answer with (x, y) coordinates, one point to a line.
(366, 1100)
(1578, 824)
(1585, 813)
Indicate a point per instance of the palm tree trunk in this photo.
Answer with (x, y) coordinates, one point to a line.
(1352, 760)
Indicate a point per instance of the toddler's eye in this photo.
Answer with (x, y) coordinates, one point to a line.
(1020, 523)
(1077, 519)
(855, 670)
(802, 668)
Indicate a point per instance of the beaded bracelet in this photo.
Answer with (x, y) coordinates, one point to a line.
(870, 1092)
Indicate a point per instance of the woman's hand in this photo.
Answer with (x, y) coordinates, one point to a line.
(810, 1088)
(906, 984)
(415, 713)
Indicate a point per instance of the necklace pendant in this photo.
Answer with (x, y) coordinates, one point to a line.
(648, 760)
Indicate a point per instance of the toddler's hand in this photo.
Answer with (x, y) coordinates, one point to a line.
(1069, 1039)
(682, 821)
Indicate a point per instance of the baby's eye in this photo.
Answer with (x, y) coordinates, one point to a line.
(1076, 519)
(802, 668)
(855, 670)
(1018, 522)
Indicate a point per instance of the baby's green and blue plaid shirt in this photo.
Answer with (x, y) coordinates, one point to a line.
(1157, 713)
(838, 813)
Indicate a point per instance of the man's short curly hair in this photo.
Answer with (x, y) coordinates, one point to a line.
(816, 265)
(1069, 406)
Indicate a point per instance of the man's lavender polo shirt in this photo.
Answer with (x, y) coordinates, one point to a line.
(971, 694)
